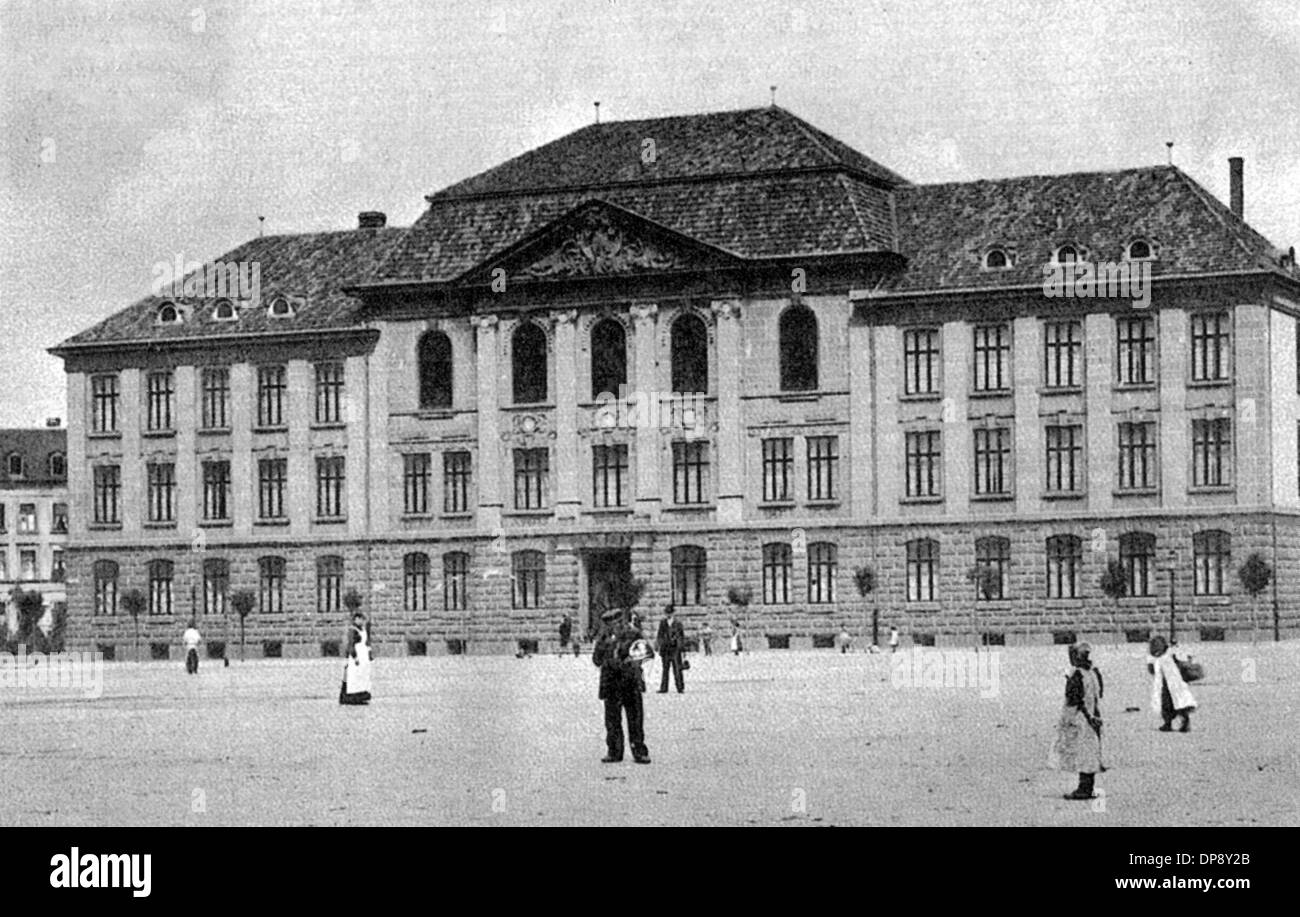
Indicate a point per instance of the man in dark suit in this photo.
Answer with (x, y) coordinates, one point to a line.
(671, 644)
(621, 685)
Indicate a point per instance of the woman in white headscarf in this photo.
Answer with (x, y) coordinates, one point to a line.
(1170, 696)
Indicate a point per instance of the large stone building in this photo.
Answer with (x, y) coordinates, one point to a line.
(883, 384)
(33, 518)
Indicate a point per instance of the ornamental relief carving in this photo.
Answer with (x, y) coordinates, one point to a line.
(599, 248)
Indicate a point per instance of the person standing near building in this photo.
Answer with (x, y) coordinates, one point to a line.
(356, 674)
(621, 685)
(1170, 696)
(1078, 731)
(706, 639)
(893, 639)
(566, 633)
(670, 643)
(845, 639)
(737, 647)
(192, 639)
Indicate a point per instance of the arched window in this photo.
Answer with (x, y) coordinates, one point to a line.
(1064, 564)
(608, 358)
(689, 348)
(216, 585)
(415, 582)
(224, 311)
(1211, 557)
(271, 584)
(997, 259)
(992, 553)
(160, 587)
(58, 465)
(798, 336)
(1067, 253)
(16, 465)
(1140, 250)
(105, 587)
(455, 581)
(1137, 553)
(922, 570)
(529, 568)
(329, 584)
(279, 307)
(434, 358)
(528, 362)
(689, 564)
(168, 314)
(777, 569)
(823, 564)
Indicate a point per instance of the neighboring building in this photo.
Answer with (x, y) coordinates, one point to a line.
(33, 518)
(415, 413)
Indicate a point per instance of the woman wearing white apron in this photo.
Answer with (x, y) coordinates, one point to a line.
(1170, 696)
(356, 675)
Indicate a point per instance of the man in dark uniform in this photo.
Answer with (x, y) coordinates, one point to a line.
(566, 632)
(621, 685)
(671, 641)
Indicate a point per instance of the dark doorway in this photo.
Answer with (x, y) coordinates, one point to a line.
(606, 569)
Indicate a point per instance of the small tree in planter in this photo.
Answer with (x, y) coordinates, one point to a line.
(865, 582)
(1114, 585)
(1255, 575)
(58, 627)
(134, 603)
(988, 586)
(243, 601)
(31, 606)
(740, 597)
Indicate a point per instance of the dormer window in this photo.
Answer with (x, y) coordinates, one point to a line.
(280, 308)
(58, 465)
(1140, 250)
(15, 465)
(224, 311)
(168, 314)
(997, 259)
(1068, 253)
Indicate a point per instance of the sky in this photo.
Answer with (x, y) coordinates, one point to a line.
(132, 132)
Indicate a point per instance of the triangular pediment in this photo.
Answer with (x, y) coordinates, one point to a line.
(596, 240)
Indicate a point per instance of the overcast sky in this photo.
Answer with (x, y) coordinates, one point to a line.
(133, 131)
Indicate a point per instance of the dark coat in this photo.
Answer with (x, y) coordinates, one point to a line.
(618, 674)
(672, 637)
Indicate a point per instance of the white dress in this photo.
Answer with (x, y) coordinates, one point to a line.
(357, 678)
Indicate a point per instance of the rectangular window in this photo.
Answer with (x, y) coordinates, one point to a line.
(160, 587)
(455, 482)
(105, 588)
(215, 397)
(529, 569)
(103, 404)
(924, 460)
(107, 486)
(1063, 354)
(271, 386)
(1064, 563)
(272, 478)
(922, 570)
(57, 568)
(1211, 562)
(532, 469)
(777, 570)
(216, 490)
(1137, 456)
(161, 391)
(455, 581)
(993, 562)
(329, 585)
(993, 461)
(161, 491)
(823, 467)
(778, 469)
(921, 361)
(271, 584)
(216, 586)
(1135, 337)
(415, 582)
(688, 575)
(331, 495)
(329, 393)
(690, 472)
(1212, 453)
(27, 518)
(823, 563)
(608, 475)
(59, 519)
(415, 483)
(1064, 459)
(27, 564)
(3, 523)
(1211, 340)
(992, 358)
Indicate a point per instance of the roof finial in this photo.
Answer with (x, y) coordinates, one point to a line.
(1169, 145)
(261, 226)
(773, 88)
(597, 104)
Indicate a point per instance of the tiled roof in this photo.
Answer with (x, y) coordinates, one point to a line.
(35, 445)
(945, 230)
(310, 269)
(729, 143)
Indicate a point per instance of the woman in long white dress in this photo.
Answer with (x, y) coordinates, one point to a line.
(356, 675)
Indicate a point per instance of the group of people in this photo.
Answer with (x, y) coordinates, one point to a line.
(1077, 746)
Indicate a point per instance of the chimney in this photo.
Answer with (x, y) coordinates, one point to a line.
(53, 422)
(1236, 191)
(371, 219)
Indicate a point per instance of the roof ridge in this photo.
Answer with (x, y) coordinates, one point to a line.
(1217, 212)
(1053, 175)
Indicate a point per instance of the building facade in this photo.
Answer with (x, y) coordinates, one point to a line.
(33, 519)
(718, 354)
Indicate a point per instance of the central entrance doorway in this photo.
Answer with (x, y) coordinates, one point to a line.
(607, 570)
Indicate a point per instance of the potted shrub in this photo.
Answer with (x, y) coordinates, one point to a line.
(243, 601)
(134, 603)
(1255, 575)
